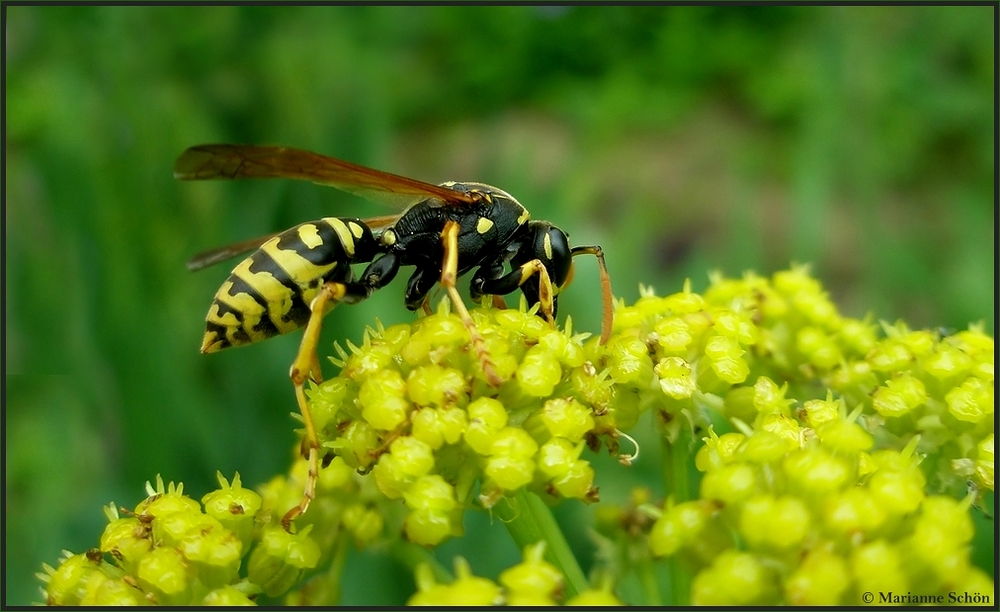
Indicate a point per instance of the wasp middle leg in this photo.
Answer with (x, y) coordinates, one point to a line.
(449, 277)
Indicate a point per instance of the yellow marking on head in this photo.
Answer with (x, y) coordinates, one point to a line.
(356, 229)
(547, 246)
(487, 197)
(309, 235)
(525, 215)
(343, 233)
(483, 225)
(388, 237)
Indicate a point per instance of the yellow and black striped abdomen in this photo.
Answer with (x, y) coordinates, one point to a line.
(270, 291)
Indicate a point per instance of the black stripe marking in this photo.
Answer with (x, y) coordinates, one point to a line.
(241, 286)
(329, 250)
(220, 334)
(224, 309)
(266, 326)
(263, 262)
(299, 311)
(239, 336)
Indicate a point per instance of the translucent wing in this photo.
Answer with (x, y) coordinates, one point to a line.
(226, 161)
(380, 223)
(214, 256)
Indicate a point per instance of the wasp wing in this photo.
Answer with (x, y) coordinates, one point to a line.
(380, 223)
(226, 161)
(214, 256)
(211, 257)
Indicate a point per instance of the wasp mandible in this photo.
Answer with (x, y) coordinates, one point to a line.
(295, 277)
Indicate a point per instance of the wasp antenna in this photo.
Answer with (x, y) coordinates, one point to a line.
(606, 298)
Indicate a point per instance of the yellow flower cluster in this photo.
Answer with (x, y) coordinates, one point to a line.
(827, 450)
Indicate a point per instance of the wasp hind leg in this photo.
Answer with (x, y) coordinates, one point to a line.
(449, 276)
(306, 367)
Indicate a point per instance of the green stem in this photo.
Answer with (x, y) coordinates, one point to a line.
(336, 571)
(529, 520)
(676, 457)
(650, 585)
(411, 555)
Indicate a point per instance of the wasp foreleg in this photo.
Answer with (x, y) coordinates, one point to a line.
(485, 272)
(517, 277)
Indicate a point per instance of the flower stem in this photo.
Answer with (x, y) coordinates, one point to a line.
(675, 457)
(412, 555)
(529, 520)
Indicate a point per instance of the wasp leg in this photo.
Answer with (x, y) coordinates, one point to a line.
(517, 277)
(306, 366)
(449, 275)
(419, 287)
(608, 318)
(488, 272)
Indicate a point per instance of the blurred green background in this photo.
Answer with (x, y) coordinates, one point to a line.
(681, 139)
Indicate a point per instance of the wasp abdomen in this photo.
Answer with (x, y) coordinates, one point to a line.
(270, 291)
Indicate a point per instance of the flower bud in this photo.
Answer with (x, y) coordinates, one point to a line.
(280, 558)
(234, 507)
(165, 574)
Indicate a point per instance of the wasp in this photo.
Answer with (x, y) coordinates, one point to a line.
(293, 278)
